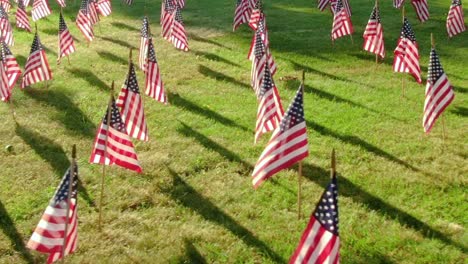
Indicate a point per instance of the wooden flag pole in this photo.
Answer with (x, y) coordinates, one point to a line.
(376, 55)
(352, 41)
(402, 76)
(58, 41)
(109, 112)
(333, 164)
(299, 172)
(70, 186)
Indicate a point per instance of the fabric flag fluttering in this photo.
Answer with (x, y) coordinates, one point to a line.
(167, 17)
(398, 3)
(256, 15)
(66, 43)
(421, 8)
(439, 92)
(342, 25)
(241, 14)
(6, 5)
(455, 19)
(62, 3)
(178, 35)
(322, 4)
(83, 21)
(5, 91)
(288, 144)
(373, 35)
(154, 83)
(320, 242)
(49, 235)
(37, 67)
(93, 12)
(112, 144)
(131, 105)
(104, 7)
(6, 32)
(22, 19)
(144, 40)
(10, 64)
(40, 9)
(407, 53)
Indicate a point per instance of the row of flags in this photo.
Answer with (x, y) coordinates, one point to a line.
(172, 24)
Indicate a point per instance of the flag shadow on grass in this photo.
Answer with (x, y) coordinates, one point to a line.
(192, 255)
(67, 113)
(53, 154)
(178, 101)
(118, 42)
(349, 189)
(214, 57)
(89, 77)
(124, 26)
(220, 76)
(9, 229)
(187, 196)
(460, 111)
(111, 57)
(205, 40)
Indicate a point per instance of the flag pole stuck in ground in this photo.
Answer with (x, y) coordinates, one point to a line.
(403, 76)
(70, 185)
(299, 180)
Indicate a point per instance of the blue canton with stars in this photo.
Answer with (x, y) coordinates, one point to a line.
(375, 14)
(131, 81)
(259, 46)
(151, 53)
(295, 113)
(178, 16)
(84, 7)
(339, 6)
(144, 28)
(36, 44)
(327, 209)
(435, 68)
(267, 81)
(407, 31)
(3, 14)
(61, 194)
(116, 119)
(62, 25)
(456, 3)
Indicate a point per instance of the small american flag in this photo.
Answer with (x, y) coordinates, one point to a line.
(49, 235)
(66, 43)
(6, 32)
(40, 9)
(104, 7)
(373, 35)
(22, 19)
(83, 21)
(61, 3)
(128, 2)
(178, 35)
(342, 25)
(92, 11)
(37, 67)
(455, 19)
(154, 84)
(320, 242)
(288, 144)
(322, 4)
(10, 64)
(256, 15)
(113, 145)
(168, 10)
(439, 92)
(26, 2)
(181, 3)
(398, 3)
(407, 53)
(6, 5)
(131, 104)
(241, 14)
(5, 91)
(144, 39)
(420, 6)
(270, 110)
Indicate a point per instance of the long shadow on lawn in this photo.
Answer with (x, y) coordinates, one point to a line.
(181, 102)
(53, 154)
(461, 111)
(349, 189)
(205, 40)
(9, 229)
(68, 113)
(90, 78)
(192, 255)
(124, 26)
(111, 57)
(218, 75)
(118, 42)
(190, 198)
(214, 57)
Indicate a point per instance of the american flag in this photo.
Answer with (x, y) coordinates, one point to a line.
(5, 91)
(256, 15)
(26, 2)
(455, 19)
(6, 5)
(322, 4)
(420, 6)
(270, 110)
(144, 39)
(178, 35)
(6, 32)
(83, 21)
(131, 104)
(66, 43)
(439, 92)
(113, 145)
(104, 7)
(288, 144)
(128, 2)
(37, 67)
(22, 19)
(373, 35)
(61, 3)
(241, 14)
(398, 3)
(342, 25)
(40, 9)
(10, 64)
(93, 13)
(320, 242)
(167, 18)
(181, 3)
(154, 84)
(407, 53)
(49, 235)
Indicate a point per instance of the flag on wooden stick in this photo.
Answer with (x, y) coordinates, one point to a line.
(407, 53)
(241, 14)
(455, 19)
(154, 83)
(167, 18)
(178, 35)
(83, 21)
(342, 25)
(439, 92)
(144, 41)
(256, 15)
(104, 7)
(37, 67)
(320, 242)
(112, 144)
(6, 32)
(288, 144)
(66, 43)
(22, 19)
(10, 64)
(5, 91)
(131, 104)
(322, 4)
(40, 9)
(59, 222)
(421, 8)
(373, 35)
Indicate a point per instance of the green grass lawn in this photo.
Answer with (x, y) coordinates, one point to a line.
(402, 193)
